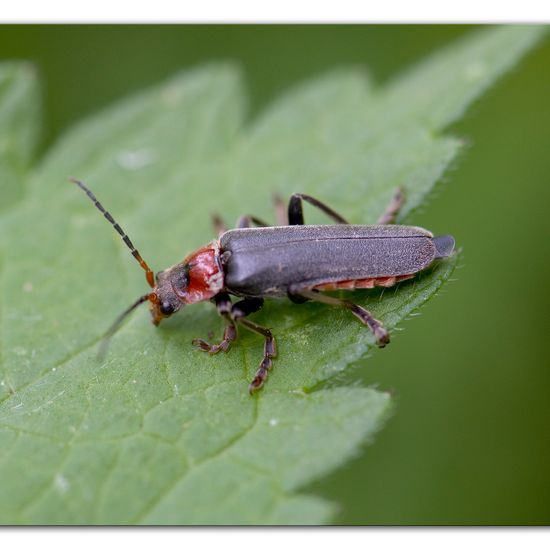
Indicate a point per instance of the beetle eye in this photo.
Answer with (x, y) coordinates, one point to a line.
(166, 308)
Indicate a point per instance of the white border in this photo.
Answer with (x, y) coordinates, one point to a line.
(274, 539)
(281, 11)
(273, 11)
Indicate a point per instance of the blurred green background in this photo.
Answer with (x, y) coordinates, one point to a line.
(469, 442)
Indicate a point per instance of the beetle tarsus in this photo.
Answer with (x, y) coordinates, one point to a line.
(377, 328)
(261, 375)
(382, 336)
(258, 382)
(229, 335)
(224, 307)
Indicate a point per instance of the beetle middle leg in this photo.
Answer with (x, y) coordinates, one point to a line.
(270, 351)
(242, 222)
(238, 312)
(380, 333)
(296, 212)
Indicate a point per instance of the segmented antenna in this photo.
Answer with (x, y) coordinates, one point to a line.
(117, 324)
(148, 272)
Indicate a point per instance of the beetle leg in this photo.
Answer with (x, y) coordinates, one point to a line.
(245, 307)
(219, 225)
(239, 311)
(380, 333)
(296, 213)
(281, 214)
(396, 203)
(248, 221)
(224, 306)
(236, 313)
(270, 351)
(229, 335)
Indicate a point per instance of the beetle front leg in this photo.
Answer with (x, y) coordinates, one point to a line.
(229, 335)
(392, 210)
(380, 333)
(224, 306)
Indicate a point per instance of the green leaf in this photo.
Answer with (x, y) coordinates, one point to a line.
(157, 432)
(19, 120)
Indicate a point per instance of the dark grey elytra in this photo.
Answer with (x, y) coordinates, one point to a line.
(291, 259)
(273, 261)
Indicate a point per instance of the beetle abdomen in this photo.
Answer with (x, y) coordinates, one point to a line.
(363, 283)
(269, 260)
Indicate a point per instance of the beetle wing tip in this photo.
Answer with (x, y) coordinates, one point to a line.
(444, 246)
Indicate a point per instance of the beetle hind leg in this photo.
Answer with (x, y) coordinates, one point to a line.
(392, 210)
(377, 328)
(380, 333)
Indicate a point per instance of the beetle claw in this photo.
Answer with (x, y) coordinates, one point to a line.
(382, 336)
(203, 345)
(257, 383)
(212, 349)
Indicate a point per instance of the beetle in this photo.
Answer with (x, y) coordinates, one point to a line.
(292, 259)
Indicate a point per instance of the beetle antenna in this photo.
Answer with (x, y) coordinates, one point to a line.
(148, 272)
(118, 323)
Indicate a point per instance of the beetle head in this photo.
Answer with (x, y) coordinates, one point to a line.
(168, 296)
